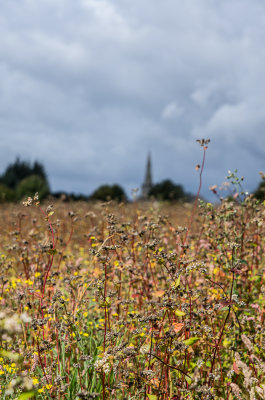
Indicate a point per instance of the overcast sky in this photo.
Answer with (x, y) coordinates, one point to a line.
(89, 87)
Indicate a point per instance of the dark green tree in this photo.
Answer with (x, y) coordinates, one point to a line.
(260, 192)
(23, 179)
(6, 194)
(38, 169)
(167, 190)
(19, 170)
(107, 192)
(32, 184)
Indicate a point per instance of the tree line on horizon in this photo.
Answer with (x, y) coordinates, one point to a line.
(21, 179)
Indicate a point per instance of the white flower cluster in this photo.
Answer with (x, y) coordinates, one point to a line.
(11, 324)
(145, 349)
(103, 364)
(29, 200)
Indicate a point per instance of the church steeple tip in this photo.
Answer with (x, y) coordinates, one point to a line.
(148, 183)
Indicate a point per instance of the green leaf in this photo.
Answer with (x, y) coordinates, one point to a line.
(255, 278)
(152, 396)
(52, 251)
(26, 395)
(188, 379)
(243, 261)
(179, 313)
(177, 283)
(191, 341)
(73, 382)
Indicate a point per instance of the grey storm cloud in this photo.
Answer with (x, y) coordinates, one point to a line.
(89, 87)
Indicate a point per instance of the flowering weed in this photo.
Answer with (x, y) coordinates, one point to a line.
(124, 302)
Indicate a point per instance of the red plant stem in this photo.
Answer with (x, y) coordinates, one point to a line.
(171, 366)
(41, 363)
(51, 257)
(46, 274)
(191, 220)
(105, 327)
(103, 385)
(197, 196)
(50, 262)
(224, 324)
(119, 256)
(105, 306)
(57, 345)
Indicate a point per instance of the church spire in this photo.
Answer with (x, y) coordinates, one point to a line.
(147, 185)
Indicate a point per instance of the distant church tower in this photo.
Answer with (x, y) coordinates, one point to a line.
(148, 184)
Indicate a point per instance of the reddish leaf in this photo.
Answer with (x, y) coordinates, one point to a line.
(235, 368)
(177, 327)
(159, 293)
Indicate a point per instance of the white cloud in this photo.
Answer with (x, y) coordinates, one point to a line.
(203, 93)
(172, 110)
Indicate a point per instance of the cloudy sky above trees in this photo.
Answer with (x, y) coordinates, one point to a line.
(89, 87)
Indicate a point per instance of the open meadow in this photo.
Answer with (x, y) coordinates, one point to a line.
(139, 301)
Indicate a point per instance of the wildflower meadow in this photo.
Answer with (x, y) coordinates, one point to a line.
(144, 301)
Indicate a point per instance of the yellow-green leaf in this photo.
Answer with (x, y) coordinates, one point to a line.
(177, 282)
(179, 313)
(188, 379)
(191, 341)
(26, 395)
(152, 396)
